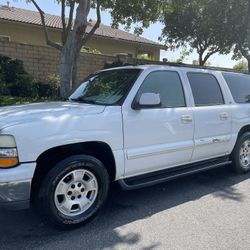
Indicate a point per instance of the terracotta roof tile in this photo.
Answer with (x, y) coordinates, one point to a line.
(52, 21)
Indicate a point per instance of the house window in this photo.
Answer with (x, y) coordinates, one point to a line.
(144, 55)
(85, 49)
(4, 38)
(124, 55)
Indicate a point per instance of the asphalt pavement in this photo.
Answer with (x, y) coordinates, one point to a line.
(205, 211)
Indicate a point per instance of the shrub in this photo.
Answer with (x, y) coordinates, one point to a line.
(10, 69)
(42, 89)
(54, 82)
(241, 66)
(1, 77)
(51, 88)
(24, 86)
(16, 82)
(10, 100)
(4, 90)
(115, 64)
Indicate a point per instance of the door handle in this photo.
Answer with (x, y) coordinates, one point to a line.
(224, 116)
(187, 119)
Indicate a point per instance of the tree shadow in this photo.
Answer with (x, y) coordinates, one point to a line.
(24, 230)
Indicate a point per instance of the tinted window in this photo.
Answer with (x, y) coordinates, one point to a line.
(168, 85)
(239, 85)
(206, 89)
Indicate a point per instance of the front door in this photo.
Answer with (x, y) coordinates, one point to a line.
(159, 138)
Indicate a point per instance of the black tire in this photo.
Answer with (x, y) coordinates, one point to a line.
(47, 200)
(237, 165)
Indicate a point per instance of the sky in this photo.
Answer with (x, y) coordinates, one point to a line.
(152, 33)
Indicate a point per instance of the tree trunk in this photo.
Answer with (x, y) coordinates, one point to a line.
(75, 71)
(201, 61)
(72, 48)
(248, 61)
(66, 67)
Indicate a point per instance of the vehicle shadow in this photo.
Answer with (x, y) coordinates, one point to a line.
(25, 230)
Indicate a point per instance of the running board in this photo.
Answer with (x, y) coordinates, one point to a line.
(170, 174)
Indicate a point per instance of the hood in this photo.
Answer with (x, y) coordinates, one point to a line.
(15, 115)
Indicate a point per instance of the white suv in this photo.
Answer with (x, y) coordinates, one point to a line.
(138, 125)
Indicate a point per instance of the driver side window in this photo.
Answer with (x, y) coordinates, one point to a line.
(166, 83)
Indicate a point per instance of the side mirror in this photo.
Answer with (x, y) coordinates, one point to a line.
(147, 100)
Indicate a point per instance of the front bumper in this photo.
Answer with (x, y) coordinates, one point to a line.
(15, 186)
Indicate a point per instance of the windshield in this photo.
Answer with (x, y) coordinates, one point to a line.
(107, 87)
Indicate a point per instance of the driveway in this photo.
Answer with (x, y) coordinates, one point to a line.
(206, 211)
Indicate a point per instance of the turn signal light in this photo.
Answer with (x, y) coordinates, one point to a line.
(8, 162)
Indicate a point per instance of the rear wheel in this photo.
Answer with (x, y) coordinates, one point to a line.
(74, 191)
(241, 154)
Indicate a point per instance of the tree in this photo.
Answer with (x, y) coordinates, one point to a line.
(238, 28)
(183, 55)
(197, 24)
(74, 33)
(207, 26)
(74, 36)
(241, 66)
(196, 62)
(139, 12)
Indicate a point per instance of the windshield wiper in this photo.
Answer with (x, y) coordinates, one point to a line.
(81, 100)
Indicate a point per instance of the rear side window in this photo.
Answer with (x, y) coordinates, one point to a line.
(166, 83)
(239, 86)
(206, 89)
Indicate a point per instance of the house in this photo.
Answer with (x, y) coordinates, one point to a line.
(24, 26)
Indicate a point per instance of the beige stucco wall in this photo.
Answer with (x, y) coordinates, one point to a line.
(42, 61)
(27, 34)
(32, 34)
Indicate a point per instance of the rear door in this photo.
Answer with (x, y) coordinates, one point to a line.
(212, 115)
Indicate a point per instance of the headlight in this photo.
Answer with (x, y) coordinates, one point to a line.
(8, 151)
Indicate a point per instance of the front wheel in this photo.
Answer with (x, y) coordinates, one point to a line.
(241, 154)
(74, 191)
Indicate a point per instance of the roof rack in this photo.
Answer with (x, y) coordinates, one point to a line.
(194, 66)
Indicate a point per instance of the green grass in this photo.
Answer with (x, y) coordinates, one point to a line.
(10, 100)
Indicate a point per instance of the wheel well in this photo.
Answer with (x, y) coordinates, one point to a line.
(51, 157)
(244, 130)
